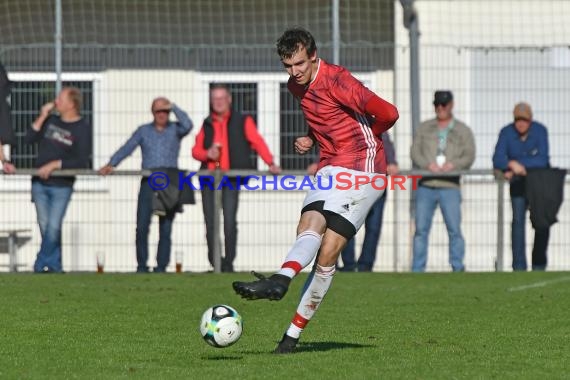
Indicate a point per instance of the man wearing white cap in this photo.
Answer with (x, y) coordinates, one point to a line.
(523, 145)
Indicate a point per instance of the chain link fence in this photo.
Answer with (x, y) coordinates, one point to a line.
(122, 54)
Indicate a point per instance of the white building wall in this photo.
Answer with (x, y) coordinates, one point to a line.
(449, 32)
(452, 30)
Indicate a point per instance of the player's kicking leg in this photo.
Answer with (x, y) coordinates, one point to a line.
(342, 215)
(317, 288)
(345, 212)
(311, 226)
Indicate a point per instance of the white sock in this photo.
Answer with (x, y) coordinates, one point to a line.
(311, 299)
(301, 253)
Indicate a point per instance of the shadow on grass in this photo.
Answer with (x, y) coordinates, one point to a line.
(301, 347)
(222, 357)
(328, 346)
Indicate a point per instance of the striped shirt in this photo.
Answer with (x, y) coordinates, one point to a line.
(334, 107)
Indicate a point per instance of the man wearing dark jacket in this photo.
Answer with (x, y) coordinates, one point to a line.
(227, 141)
(373, 223)
(64, 142)
(523, 145)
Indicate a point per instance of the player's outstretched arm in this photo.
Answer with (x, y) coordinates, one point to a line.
(385, 114)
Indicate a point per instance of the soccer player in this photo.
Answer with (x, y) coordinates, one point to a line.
(345, 119)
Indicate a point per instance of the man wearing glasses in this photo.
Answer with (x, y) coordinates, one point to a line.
(441, 145)
(522, 147)
(160, 144)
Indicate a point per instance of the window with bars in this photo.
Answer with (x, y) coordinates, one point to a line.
(244, 97)
(293, 125)
(26, 101)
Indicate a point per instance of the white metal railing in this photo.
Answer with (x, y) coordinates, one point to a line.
(469, 177)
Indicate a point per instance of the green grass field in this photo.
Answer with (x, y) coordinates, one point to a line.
(371, 326)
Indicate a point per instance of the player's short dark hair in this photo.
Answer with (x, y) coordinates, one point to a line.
(294, 39)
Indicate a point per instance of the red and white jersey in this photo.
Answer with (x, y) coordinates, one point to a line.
(334, 107)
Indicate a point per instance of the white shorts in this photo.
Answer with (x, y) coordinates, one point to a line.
(349, 198)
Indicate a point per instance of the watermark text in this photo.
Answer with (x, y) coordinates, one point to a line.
(340, 181)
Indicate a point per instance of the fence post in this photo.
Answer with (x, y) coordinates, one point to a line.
(216, 230)
(13, 251)
(336, 32)
(411, 23)
(500, 260)
(58, 46)
(395, 230)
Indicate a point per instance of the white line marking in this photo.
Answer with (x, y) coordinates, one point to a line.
(538, 284)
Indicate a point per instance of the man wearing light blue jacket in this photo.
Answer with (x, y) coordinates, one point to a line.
(160, 145)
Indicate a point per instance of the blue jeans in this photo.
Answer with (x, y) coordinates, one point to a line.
(144, 217)
(449, 200)
(372, 230)
(518, 238)
(51, 203)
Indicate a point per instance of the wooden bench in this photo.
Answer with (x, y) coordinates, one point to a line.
(11, 239)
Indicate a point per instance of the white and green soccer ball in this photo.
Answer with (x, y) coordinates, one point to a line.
(221, 326)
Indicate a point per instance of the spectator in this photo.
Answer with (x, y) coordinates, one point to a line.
(523, 145)
(6, 131)
(227, 141)
(372, 224)
(64, 143)
(441, 145)
(160, 145)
